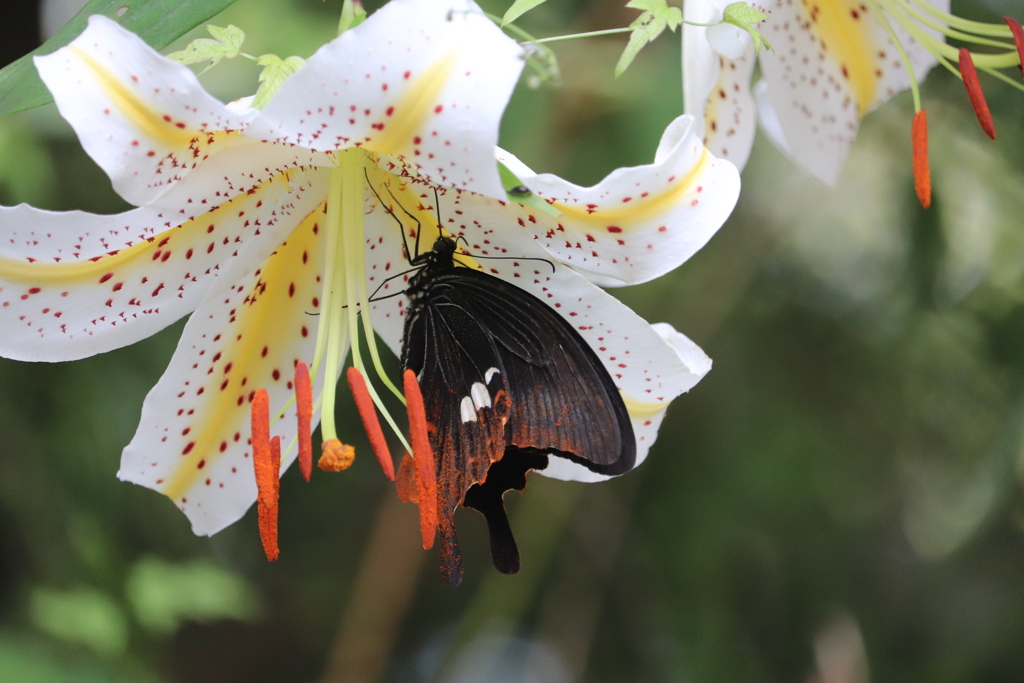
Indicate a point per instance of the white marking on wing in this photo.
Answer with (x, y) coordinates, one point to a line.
(468, 410)
(481, 399)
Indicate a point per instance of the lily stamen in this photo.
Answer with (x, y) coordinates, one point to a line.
(1018, 39)
(922, 173)
(266, 460)
(368, 413)
(974, 92)
(423, 459)
(304, 413)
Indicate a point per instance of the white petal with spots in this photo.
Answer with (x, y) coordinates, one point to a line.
(646, 417)
(716, 90)
(833, 62)
(193, 440)
(425, 81)
(74, 284)
(143, 118)
(638, 223)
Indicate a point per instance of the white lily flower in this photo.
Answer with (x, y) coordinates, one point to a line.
(267, 227)
(832, 63)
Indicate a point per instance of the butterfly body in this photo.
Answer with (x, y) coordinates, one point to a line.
(507, 382)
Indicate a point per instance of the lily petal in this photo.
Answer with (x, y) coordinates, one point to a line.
(75, 284)
(716, 90)
(193, 440)
(143, 118)
(646, 415)
(431, 80)
(638, 223)
(645, 367)
(833, 62)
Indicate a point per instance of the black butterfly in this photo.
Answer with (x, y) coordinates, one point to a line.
(506, 382)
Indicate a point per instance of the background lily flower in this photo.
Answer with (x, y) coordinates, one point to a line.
(238, 224)
(832, 63)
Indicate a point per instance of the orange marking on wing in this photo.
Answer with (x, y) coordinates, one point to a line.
(423, 457)
(266, 460)
(304, 411)
(973, 85)
(922, 174)
(368, 413)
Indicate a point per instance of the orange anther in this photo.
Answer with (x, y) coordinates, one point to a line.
(304, 411)
(1018, 38)
(922, 174)
(368, 413)
(336, 456)
(266, 460)
(973, 85)
(413, 489)
(423, 458)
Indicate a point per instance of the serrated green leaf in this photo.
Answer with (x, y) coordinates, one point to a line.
(518, 9)
(742, 14)
(227, 44)
(656, 17)
(158, 22)
(231, 36)
(202, 49)
(275, 72)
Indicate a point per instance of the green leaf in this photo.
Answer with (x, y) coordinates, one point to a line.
(83, 615)
(164, 595)
(518, 9)
(158, 22)
(656, 17)
(227, 43)
(742, 14)
(275, 72)
(745, 17)
(352, 14)
(520, 194)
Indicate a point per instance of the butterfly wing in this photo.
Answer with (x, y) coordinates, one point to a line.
(504, 376)
(564, 401)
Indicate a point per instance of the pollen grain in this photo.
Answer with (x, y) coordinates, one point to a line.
(336, 456)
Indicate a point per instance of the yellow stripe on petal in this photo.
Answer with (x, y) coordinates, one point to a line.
(109, 267)
(60, 304)
(644, 410)
(254, 347)
(846, 37)
(413, 108)
(640, 209)
(159, 128)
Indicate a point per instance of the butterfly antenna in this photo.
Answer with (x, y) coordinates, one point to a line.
(401, 227)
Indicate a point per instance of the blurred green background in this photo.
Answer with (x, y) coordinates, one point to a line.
(838, 501)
